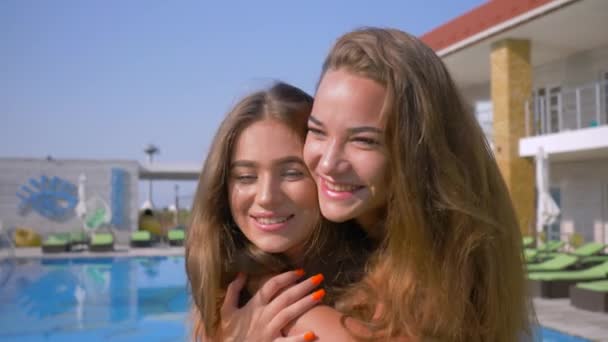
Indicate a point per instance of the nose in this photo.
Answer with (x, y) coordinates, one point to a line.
(268, 191)
(332, 159)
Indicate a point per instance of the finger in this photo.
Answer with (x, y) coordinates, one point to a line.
(309, 336)
(295, 310)
(293, 294)
(276, 284)
(231, 301)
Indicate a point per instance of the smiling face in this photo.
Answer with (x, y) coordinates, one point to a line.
(344, 148)
(272, 195)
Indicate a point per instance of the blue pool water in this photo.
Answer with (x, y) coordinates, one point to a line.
(109, 299)
(115, 299)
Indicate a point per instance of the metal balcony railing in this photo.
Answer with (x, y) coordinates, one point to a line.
(557, 109)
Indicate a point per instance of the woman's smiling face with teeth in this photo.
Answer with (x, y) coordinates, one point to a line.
(344, 147)
(272, 195)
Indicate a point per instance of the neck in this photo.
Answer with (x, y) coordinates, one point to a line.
(373, 224)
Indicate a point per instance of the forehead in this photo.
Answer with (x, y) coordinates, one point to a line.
(267, 139)
(347, 98)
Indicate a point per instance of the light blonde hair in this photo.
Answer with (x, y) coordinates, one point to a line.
(450, 266)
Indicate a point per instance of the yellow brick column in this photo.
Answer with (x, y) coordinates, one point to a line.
(511, 83)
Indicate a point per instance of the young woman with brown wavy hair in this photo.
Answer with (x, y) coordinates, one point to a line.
(256, 214)
(393, 146)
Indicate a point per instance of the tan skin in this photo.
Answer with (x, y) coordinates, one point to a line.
(345, 154)
(273, 200)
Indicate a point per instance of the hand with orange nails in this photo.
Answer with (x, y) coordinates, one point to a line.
(278, 302)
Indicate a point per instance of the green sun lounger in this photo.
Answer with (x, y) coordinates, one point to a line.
(56, 243)
(589, 249)
(551, 246)
(530, 255)
(141, 238)
(594, 259)
(592, 296)
(176, 237)
(557, 284)
(557, 263)
(101, 242)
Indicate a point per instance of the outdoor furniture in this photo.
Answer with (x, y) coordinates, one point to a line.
(176, 237)
(557, 263)
(102, 242)
(589, 249)
(56, 243)
(557, 284)
(592, 296)
(141, 238)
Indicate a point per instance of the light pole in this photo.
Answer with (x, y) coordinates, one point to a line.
(150, 150)
(176, 204)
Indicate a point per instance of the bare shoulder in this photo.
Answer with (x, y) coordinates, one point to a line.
(327, 324)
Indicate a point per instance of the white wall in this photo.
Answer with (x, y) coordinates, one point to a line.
(16, 173)
(584, 201)
(578, 69)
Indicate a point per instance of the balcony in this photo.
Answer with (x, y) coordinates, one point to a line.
(556, 109)
(570, 124)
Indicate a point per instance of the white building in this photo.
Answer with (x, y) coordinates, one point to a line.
(539, 73)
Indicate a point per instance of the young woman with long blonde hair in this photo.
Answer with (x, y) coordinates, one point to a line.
(256, 214)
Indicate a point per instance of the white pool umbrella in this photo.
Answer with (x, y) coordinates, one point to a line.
(547, 210)
(81, 208)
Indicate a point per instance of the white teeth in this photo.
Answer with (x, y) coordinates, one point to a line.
(340, 187)
(271, 220)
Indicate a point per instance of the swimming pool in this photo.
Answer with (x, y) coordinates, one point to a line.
(116, 299)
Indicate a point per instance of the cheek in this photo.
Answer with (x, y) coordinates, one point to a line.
(371, 167)
(238, 201)
(311, 153)
(303, 195)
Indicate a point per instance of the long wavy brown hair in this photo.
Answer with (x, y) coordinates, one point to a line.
(216, 249)
(450, 266)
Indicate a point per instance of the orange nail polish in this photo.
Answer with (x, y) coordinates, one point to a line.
(317, 279)
(299, 272)
(309, 336)
(318, 295)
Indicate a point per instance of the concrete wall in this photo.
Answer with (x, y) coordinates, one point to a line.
(17, 176)
(584, 197)
(578, 69)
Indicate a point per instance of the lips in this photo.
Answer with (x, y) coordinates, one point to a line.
(338, 191)
(271, 222)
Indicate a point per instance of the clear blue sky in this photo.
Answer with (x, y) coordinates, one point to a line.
(101, 79)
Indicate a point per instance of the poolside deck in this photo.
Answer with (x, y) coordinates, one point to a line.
(559, 315)
(555, 314)
(119, 251)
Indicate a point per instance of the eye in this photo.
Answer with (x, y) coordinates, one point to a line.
(293, 174)
(367, 141)
(245, 178)
(315, 131)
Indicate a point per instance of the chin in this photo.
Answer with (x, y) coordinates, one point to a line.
(337, 215)
(272, 248)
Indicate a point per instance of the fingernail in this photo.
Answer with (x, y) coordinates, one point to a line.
(317, 279)
(299, 272)
(309, 336)
(318, 295)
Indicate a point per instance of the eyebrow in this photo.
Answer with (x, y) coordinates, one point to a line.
(315, 120)
(280, 161)
(354, 130)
